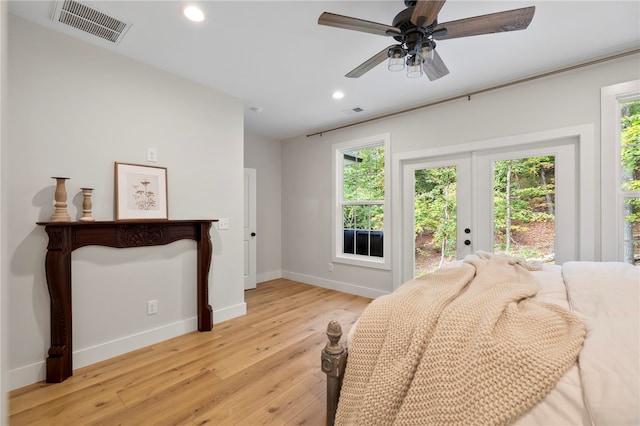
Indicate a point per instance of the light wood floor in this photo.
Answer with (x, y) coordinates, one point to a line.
(262, 368)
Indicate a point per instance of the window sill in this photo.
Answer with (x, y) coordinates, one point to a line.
(363, 261)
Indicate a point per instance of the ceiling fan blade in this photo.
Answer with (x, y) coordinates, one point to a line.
(355, 24)
(511, 20)
(434, 66)
(426, 11)
(370, 63)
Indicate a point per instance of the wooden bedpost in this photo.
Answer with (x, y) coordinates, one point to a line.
(334, 358)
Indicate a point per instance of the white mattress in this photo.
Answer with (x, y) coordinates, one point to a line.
(602, 388)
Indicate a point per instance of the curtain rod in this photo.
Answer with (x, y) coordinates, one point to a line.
(477, 92)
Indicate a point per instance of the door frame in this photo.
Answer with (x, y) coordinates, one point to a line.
(249, 229)
(588, 235)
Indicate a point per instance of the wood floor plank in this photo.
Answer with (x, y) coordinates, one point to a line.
(115, 371)
(73, 409)
(312, 415)
(162, 409)
(276, 339)
(285, 405)
(262, 368)
(146, 388)
(286, 372)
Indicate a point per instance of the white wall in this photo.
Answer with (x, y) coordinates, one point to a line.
(265, 155)
(3, 241)
(560, 101)
(75, 109)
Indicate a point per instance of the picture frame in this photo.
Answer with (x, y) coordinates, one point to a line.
(141, 192)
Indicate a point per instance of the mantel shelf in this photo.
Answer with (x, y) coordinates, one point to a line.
(65, 237)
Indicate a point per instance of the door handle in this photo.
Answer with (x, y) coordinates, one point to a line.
(253, 234)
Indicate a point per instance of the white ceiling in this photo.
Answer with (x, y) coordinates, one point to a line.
(274, 55)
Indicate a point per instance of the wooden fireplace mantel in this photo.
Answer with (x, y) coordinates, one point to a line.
(64, 237)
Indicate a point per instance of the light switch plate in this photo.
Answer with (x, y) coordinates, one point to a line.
(152, 155)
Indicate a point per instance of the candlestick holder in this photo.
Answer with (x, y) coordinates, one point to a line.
(86, 205)
(60, 213)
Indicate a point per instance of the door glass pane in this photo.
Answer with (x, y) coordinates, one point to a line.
(434, 218)
(524, 207)
(632, 230)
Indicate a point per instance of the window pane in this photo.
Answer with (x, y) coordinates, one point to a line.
(377, 218)
(349, 180)
(362, 217)
(524, 207)
(632, 230)
(630, 146)
(348, 217)
(363, 174)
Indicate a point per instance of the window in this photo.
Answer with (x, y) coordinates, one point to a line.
(621, 172)
(630, 180)
(361, 201)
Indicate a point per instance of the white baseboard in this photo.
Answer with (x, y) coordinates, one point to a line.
(25, 375)
(268, 276)
(335, 285)
(106, 350)
(220, 315)
(33, 373)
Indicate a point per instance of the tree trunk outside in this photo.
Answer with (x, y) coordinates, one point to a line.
(547, 196)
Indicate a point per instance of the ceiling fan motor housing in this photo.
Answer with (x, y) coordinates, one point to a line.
(413, 37)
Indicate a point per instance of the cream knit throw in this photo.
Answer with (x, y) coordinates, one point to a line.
(462, 346)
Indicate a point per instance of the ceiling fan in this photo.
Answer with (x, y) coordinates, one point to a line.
(416, 30)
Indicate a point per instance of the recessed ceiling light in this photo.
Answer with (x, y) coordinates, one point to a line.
(193, 13)
(337, 95)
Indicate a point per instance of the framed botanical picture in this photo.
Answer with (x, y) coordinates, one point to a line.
(141, 192)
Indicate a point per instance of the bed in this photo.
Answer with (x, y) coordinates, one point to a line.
(493, 340)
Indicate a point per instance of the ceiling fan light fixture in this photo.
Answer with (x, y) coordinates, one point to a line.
(428, 50)
(396, 58)
(414, 66)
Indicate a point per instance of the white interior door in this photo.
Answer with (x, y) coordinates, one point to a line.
(249, 229)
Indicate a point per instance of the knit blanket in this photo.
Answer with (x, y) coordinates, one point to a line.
(465, 345)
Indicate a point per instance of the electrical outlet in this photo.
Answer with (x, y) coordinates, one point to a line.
(330, 267)
(152, 307)
(223, 223)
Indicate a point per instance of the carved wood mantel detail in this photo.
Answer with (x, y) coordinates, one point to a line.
(64, 237)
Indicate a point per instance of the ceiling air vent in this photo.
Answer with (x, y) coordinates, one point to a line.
(90, 21)
(353, 111)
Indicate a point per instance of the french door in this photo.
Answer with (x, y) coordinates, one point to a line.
(437, 199)
(517, 200)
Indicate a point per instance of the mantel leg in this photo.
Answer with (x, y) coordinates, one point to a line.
(205, 249)
(58, 272)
